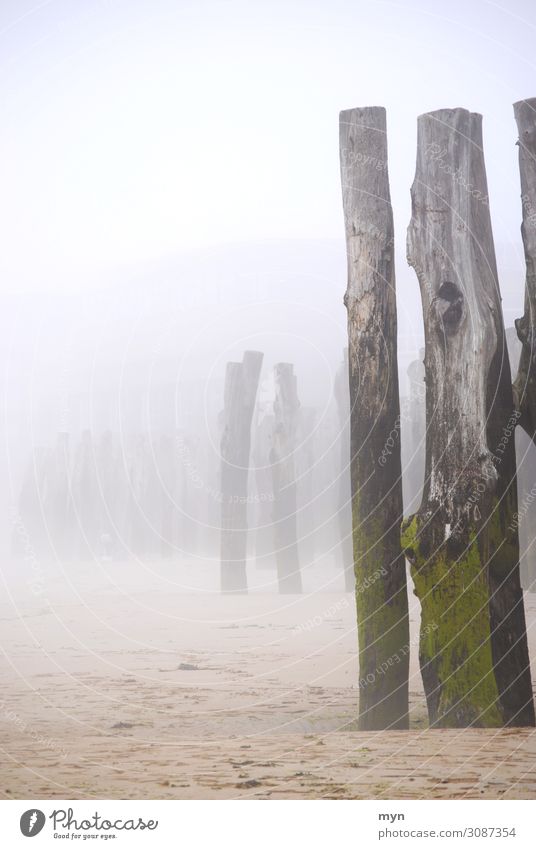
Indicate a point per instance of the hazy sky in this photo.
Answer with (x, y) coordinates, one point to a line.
(133, 129)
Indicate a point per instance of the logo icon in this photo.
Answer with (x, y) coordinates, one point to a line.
(31, 822)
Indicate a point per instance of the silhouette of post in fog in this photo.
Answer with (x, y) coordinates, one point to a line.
(286, 406)
(264, 536)
(241, 382)
(57, 502)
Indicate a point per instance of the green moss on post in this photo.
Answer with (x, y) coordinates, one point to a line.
(376, 475)
(464, 556)
(455, 644)
(383, 626)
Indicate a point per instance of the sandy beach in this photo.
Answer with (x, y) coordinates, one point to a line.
(127, 681)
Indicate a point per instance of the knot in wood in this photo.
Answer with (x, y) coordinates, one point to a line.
(448, 306)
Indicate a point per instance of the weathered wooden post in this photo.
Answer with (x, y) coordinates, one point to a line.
(264, 537)
(241, 381)
(138, 478)
(286, 406)
(113, 487)
(29, 528)
(190, 484)
(525, 383)
(57, 498)
(86, 499)
(305, 488)
(461, 543)
(380, 571)
(167, 477)
(342, 397)
(526, 477)
(414, 430)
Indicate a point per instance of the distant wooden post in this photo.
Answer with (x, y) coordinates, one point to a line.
(380, 571)
(139, 466)
(264, 537)
(241, 381)
(113, 487)
(57, 498)
(342, 397)
(305, 489)
(462, 543)
(286, 406)
(86, 499)
(29, 528)
(166, 472)
(414, 425)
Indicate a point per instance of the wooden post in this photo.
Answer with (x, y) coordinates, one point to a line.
(414, 425)
(29, 528)
(305, 490)
(190, 484)
(57, 499)
(462, 544)
(113, 487)
(342, 397)
(166, 475)
(241, 381)
(138, 538)
(264, 537)
(525, 383)
(286, 406)
(526, 476)
(86, 499)
(380, 571)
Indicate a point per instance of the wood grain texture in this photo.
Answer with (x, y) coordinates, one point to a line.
(461, 543)
(286, 409)
(344, 513)
(525, 383)
(241, 382)
(380, 573)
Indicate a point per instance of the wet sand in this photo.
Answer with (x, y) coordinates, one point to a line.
(132, 684)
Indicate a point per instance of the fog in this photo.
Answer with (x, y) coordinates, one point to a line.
(171, 199)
